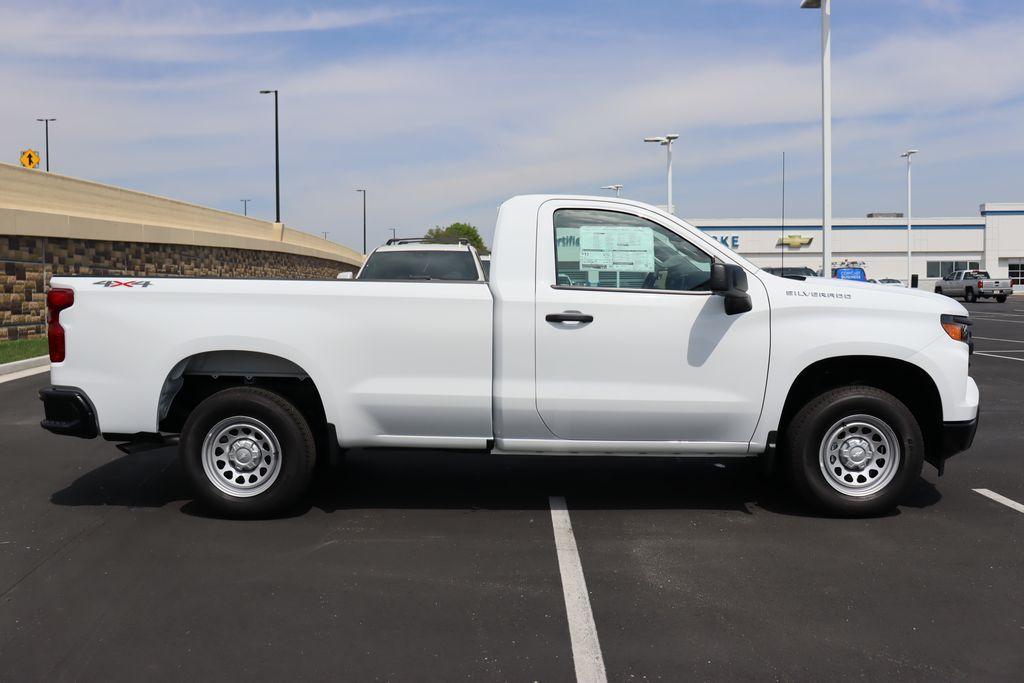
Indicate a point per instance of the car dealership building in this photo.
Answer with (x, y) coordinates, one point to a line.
(992, 241)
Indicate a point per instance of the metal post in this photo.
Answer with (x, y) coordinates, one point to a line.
(245, 206)
(277, 157)
(364, 219)
(46, 125)
(826, 137)
(671, 208)
(783, 209)
(910, 244)
(277, 162)
(394, 233)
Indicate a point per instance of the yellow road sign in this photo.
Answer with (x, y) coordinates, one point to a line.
(30, 158)
(794, 241)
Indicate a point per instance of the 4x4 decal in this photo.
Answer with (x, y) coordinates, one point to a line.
(124, 283)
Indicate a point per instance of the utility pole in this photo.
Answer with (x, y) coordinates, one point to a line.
(906, 155)
(666, 142)
(277, 157)
(826, 130)
(245, 206)
(364, 220)
(46, 124)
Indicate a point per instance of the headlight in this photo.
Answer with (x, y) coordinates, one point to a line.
(958, 327)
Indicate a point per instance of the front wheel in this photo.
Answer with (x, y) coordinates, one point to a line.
(248, 452)
(854, 451)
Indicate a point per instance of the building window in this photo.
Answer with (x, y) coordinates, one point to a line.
(1017, 273)
(937, 269)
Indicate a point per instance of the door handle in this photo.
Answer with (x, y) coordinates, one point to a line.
(569, 318)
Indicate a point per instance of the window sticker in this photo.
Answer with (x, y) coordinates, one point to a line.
(617, 248)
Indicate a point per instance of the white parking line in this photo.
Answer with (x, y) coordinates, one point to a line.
(998, 320)
(991, 351)
(1001, 499)
(996, 355)
(1012, 341)
(586, 649)
(23, 373)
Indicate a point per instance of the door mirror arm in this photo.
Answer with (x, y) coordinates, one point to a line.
(730, 282)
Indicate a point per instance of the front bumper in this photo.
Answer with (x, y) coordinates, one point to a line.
(69, 412)
(955, 437)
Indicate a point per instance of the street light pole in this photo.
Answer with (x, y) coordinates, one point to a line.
(906, 155)
(617, 187)
(245, 206)
(277, 157)
(364, 219)
(46, 125)
(666, 142)
(394, 233)
(826, 130)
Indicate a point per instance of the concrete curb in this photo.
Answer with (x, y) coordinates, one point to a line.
(28, 363)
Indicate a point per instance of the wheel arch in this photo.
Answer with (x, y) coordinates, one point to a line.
(909, 383)
(199, 375)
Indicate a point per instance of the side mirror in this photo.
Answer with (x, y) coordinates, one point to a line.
(730, 281)
(347, 275)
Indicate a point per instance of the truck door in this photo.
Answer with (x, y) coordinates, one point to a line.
(630, 344)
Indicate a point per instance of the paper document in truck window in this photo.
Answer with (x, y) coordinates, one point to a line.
(627, 248)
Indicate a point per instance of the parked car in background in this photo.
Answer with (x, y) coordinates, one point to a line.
(796, 273)
(973, 285)
(890, 282)
(423, 259)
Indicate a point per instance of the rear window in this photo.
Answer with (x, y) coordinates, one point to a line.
(983, 274)
(420, 265)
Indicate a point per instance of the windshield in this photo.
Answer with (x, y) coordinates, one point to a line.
(420, 265)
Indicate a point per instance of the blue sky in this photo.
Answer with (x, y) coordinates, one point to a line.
(443, 109)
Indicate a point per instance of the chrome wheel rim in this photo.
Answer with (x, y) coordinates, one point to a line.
(241, 456)
(859, 455)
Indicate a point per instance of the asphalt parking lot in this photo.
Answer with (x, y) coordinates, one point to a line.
(445, 566)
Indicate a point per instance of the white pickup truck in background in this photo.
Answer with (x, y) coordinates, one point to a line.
(973, 285)
(608, 327)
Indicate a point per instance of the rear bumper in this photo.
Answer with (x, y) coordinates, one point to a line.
(68, 412)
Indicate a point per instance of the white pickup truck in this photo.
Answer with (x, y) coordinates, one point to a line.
(608, 327)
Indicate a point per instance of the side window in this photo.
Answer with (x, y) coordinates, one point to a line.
(609, 249)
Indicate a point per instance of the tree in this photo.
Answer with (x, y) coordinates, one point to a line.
(457, 231)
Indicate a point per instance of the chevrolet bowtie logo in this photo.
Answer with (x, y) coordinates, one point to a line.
(794, 241)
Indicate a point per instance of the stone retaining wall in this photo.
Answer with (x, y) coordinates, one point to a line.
(28, 263)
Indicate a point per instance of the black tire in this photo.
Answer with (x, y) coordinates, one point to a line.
(296, 452)
(807, 432)
(969, 296)
(938, 290)
(1001, 299)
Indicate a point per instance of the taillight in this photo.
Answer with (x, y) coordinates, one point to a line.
(56, 301)
(981, 284)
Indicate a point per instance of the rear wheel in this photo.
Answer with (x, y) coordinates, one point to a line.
(854, 451)
(1001, 298)
(970, 296)
(248, 452)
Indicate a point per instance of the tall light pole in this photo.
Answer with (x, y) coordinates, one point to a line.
(666, 142)
(394, 233)
(617, 187)
(906, 155)
(245, 206)
(277, 157)
(826, 131)
(324, 233)
(46, 124)
(364, 219)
